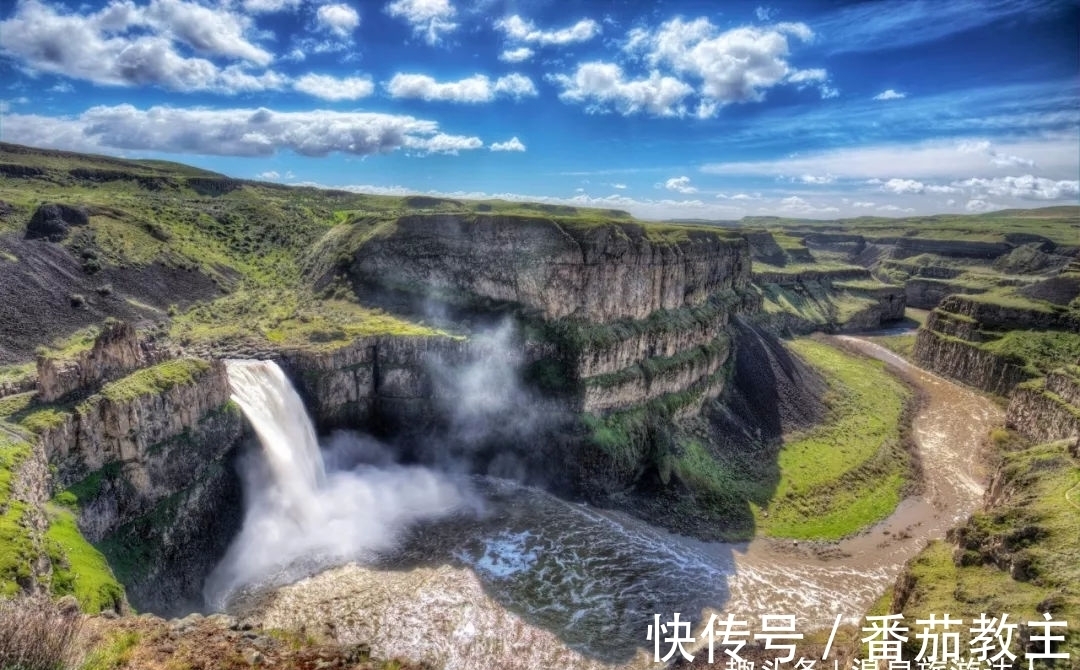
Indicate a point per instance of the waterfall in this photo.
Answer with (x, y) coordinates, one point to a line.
(301, 517)
(277, 414)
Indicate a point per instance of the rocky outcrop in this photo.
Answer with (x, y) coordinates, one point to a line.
(1006, 316)
(117, 350)
(596, 272)
(693, 371)
(925, 293)
(346, 386)
(1047, 409)
(952, 340)
(20, 385)
(966, 362)
(117, 427)
(823, 274)
(52, 221)
(764, 249)
(904, 247)
(147, 461)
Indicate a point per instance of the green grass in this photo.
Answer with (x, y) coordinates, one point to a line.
(717, 484)
(17, 372)
(288, 317)
(1059, 224)
(114, 653)
(1031, 527)
(17, 551)
(72, 345)
(1008, 297)
(78, 568)
(1038, 351)
(902, 345)
(814, 304)
(155, 379)
(849, 472)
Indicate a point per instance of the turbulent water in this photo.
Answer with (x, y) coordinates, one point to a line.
(495, 574)
(301, 516)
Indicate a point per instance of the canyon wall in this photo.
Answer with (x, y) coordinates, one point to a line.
(597, 272)
(145, 462)
(1047, 409)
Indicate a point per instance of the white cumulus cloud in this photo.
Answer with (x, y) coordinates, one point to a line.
(124, 44)
(736, 65)
(233, 132)
(429, 18)
(817, 179)
(680, 184)
(512, 144)
(889, 94)
(523, 30)
(979, 205)
(603, 86)
(471, 90)
(519, 55)
(1026, 187)
(333, 88)
(339, 19)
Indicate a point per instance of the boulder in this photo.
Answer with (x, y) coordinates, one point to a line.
(52, 221)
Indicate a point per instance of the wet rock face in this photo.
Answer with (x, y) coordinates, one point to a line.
(52, 221)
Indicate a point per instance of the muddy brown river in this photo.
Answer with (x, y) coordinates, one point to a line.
(537, 582)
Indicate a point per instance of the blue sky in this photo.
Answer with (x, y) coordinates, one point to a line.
(666, 109)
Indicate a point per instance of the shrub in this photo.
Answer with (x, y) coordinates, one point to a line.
(37, 635)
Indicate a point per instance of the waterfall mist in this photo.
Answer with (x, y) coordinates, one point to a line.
(300, 515)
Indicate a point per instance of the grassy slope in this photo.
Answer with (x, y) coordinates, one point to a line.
(850, 472)
(833, 480)
(16, 546)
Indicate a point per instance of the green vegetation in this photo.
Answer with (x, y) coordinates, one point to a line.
(71, 346)
(17, 552)
(902, 345)
(287, 317)
(1058, 224)
(851, 471)
(1020, 555)
(657, 366)
(155, 379)
(827, 483)
(1038, 351)
(17, 373)
(811, 305)
(114, 653)
(78, 568)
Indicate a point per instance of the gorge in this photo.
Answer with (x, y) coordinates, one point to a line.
(530, 427)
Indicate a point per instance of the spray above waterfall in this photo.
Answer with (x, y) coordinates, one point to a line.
(300, 516)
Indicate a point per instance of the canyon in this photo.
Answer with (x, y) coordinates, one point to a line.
(629, 368)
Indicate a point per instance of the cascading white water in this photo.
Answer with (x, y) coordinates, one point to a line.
(287, 435)
(301, 516)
